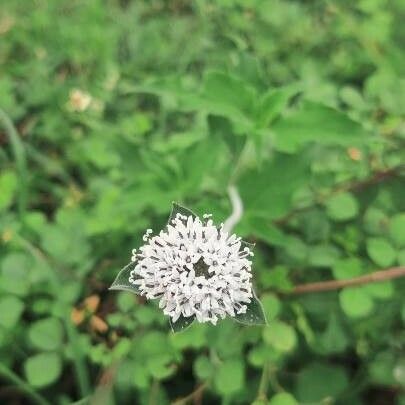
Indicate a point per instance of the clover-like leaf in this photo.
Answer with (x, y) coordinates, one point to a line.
(121, 282)
(254, 314)
(182, 323)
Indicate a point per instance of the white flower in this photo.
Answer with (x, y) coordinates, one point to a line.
(195, 269)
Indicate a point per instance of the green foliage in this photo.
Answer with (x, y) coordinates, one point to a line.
(111, 110)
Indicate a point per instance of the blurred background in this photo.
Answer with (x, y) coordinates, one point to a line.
(112, 109)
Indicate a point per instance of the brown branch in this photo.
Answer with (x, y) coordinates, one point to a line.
(377, 276)
(194, 395)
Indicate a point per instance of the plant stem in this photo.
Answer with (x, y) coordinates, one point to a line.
(82, 376)
(20, 159)
(22, 385)
(377, 276)
(264, 383)
(185, 400)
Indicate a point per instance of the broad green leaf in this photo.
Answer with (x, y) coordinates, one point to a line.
(11, 309)
(280, 335)
(46, 334)
(267, 191)
(254, 314)
(342, 207)
(121, 282)
(356, 302)
(43, 369)
(182, 323)
(319, 381)
(272, 103)
(316, 122)
(268, 232)
(283, 398)
(381, 251)
(229, 377)
(228, 92)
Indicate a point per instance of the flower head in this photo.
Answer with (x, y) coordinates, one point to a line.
(195, 269)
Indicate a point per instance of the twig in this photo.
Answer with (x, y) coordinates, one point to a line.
(195, 394)
(24, 387)
(377, 276)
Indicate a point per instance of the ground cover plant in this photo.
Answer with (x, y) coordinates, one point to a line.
(112, 109)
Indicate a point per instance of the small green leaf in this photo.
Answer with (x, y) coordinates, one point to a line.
(283, 398)
(43, 369)
(342, 207)
(356, 302)
(121, 282)
(280, 335)
(11, 309)
(46, 334)
(397, 229)
(254, 314)
(380, 251)
(182, 323)
(229, 377)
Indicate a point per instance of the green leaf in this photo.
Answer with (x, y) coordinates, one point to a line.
(380, 251)
(267, 192)
(228, 93)
(121, 282)
(203, 368)
(182, 323)
(323, 255)
(283, 398)
(333, 339)
(229, 377)
(316, 122)
(382, 290)
(11, 309)
(397, 229)
(280, 335)
(46, 334)
(254, 314)
(271, 305)
(272, 103)
(356, 302)
(43, 369)
(8, 188)
(347, 268)
(342, 207)
(318, 381)
(15, 274)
